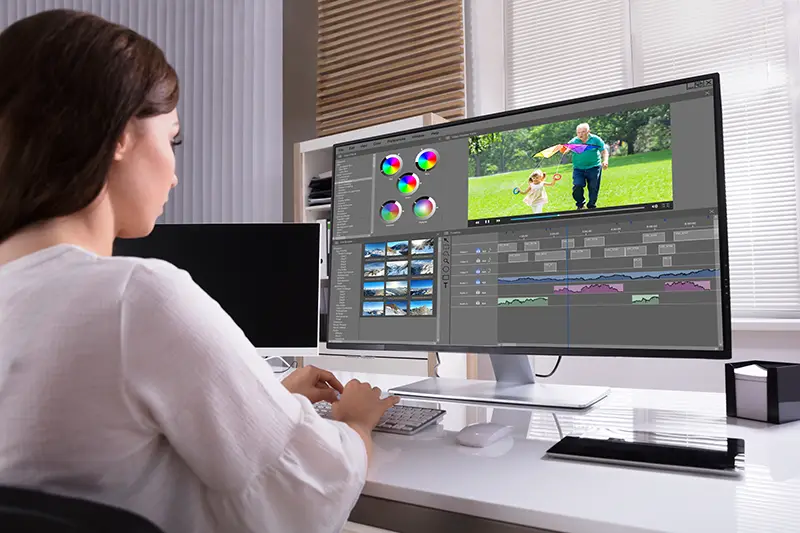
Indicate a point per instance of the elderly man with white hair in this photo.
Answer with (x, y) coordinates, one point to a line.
(587, 166)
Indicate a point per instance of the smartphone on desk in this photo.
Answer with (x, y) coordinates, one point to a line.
(669, 451)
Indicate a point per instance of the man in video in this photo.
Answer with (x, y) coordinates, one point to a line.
(587, 167)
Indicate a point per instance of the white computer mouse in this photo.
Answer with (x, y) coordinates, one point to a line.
(482, 434)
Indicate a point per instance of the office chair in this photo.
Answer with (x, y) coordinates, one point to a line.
(23, 510)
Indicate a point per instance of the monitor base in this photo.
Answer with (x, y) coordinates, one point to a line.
(497, 392)
(515, 384)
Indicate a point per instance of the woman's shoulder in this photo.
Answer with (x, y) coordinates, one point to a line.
(75, 262)
(143, 273)
(141, 278)
(141, 267)
(156, 266)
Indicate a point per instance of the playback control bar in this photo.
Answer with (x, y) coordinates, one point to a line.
(575, 213)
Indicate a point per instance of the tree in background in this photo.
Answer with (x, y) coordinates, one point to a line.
(479, 144)
(630, 126)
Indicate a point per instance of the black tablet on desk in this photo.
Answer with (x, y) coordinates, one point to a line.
(669, 451)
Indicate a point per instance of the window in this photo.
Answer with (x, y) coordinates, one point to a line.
(555, 50)
(564, 50)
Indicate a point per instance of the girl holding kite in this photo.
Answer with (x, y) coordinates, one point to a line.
(535, 194)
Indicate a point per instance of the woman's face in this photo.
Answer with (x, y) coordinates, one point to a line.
(143, 173)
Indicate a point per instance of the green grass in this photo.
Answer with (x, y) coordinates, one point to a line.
(629, 180)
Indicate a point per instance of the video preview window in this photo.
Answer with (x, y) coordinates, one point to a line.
(561, 166)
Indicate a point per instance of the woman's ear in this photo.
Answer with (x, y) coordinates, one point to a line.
(123, 144)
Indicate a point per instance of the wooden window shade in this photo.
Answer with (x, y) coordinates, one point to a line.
(380, 61)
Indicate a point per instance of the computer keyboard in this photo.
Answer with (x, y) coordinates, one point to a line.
(398, 419)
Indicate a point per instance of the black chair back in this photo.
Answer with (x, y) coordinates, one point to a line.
(23, 510)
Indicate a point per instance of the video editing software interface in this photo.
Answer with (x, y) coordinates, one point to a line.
(588, 225)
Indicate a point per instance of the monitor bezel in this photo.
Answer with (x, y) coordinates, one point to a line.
(724, 353)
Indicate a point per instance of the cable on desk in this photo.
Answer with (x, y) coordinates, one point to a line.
(558, 361)
(558, 426)
(284, 361)
(436, 366)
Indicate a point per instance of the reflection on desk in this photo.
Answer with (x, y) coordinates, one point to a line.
(511, 482)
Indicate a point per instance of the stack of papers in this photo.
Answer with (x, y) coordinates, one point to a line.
(752, 371)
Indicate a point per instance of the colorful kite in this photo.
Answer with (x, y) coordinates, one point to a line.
(564, 148)
(580, 148)
(550, 152)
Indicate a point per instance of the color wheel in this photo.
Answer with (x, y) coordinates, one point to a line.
(391, 165)
(408, 183)
(424, 207)
(427, 159)
(391, 211)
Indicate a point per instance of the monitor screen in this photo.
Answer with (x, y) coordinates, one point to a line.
(594, 226)
(265, 276)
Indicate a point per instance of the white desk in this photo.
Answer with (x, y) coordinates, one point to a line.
(433, 483)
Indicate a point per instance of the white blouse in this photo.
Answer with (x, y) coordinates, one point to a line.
(122, 381)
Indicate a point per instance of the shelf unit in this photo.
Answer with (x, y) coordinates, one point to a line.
(314, 157)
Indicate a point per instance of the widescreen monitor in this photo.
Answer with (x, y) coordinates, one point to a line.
(588, 227)
(265, 276)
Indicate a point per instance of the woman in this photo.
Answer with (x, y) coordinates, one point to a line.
(120, 379)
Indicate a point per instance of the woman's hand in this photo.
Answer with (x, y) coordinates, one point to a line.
(314, 383)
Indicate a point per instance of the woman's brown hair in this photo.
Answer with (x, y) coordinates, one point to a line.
(69, 84)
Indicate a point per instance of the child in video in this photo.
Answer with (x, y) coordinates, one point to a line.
(535, 195)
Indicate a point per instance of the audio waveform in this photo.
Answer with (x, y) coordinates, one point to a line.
(645, 299)
(522, 301)
(591, 288)
(618, 276)
(687, 286)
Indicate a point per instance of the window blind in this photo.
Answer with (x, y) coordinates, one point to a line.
(746, 41)
(567, 49)
(381, 60)
(638, 42)
(229, 60)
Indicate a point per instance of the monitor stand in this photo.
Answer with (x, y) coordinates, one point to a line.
(515, 384)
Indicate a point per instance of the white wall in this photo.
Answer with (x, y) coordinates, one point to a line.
(299, 87)
(483, 27)
(228, 54)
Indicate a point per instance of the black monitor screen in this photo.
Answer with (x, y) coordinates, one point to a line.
(594, 226)
(265, 276)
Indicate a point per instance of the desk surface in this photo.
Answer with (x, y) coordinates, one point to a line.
(510, 481)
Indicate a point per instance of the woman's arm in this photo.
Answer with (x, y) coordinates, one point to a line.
(269, 462)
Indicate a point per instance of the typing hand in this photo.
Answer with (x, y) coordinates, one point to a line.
(361, 405)
(314, 383)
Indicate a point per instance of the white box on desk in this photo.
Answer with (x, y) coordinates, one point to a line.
(767, 391)
(751, 393)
